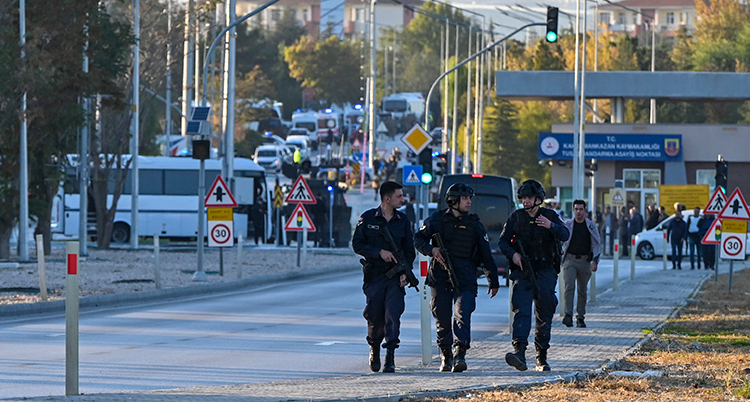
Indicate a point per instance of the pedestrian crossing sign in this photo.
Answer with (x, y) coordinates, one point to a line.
(412, 175)
(300, 193)
(716, 203)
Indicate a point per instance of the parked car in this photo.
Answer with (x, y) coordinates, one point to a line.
(649, 244)
(270, 157)
(312, 140)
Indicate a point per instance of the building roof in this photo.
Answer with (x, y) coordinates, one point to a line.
(417, 3)
(638, 4)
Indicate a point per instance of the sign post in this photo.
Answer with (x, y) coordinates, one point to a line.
(734, 215)
(424, 311)
(71, 320)
(299, 220)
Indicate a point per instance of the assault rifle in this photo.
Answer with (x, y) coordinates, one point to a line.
(527, 269)
(401, 266)
(448, 266)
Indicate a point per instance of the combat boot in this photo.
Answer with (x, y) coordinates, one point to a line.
(459, 361)
(517, 359)
(374, 359)
(390, 361)
(446, 359)
(541, 360)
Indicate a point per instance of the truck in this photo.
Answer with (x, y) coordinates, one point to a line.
(400, 105)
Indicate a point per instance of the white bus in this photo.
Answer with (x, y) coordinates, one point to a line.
(168, 198)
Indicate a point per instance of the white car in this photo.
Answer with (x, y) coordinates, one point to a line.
(270, 157)
(649, 244)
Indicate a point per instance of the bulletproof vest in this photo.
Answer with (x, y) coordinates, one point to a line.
(458, 235)
(538, 242)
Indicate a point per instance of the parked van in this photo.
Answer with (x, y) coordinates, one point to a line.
(494, 200)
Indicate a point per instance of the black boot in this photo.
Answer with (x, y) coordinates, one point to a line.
(568, 320)
(446, 359)
(459, 360)
(517, 359)
(374, 359)
(390, 361)
(541, 360)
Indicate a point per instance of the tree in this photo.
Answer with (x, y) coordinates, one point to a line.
(330, 67)
(500, 149)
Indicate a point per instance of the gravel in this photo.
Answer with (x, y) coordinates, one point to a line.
(116, 271)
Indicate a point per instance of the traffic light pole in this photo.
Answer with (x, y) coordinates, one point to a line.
(469, 59)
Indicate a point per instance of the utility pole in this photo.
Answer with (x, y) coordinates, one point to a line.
(454, 127)
(168, 112)
(187, 67)
(577, 171)
(135, 128)
(373, 72)
(23, 222)
(227, 166)
(467, 142)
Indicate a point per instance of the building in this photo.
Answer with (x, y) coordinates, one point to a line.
(636, 17)
(639, 158)
(348, 18)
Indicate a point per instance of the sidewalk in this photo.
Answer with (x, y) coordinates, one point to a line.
(617, 321)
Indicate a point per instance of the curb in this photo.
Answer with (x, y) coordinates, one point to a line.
(121, 299)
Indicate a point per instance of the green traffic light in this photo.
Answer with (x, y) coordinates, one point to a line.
(551, 37)
(426, 178)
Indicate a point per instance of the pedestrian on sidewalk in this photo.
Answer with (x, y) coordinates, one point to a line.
(623, 231)
(385, 296)
(676, 234)
(580, 258)
(531, 242)
(467, 245)
(709, 250)
(694, 237)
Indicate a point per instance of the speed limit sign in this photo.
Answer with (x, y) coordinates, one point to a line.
(220, 234)
(733, 239)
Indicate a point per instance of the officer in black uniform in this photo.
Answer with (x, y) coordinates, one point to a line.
(385, 296)
(468, 247)
(539, 231)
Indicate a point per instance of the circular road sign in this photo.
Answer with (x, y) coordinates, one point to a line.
(732, 245)
(221, 233)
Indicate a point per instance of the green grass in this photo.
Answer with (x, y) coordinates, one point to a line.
(743, 392)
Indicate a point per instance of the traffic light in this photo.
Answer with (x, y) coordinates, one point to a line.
(721, 175)
(552, 13)
(425, 159)
(442, 164)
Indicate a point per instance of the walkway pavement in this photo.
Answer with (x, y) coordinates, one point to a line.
(617, 322)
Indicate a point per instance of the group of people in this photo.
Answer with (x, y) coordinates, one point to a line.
(535, 240)
(691, 231)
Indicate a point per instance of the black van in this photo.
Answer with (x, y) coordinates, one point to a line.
(494, 200)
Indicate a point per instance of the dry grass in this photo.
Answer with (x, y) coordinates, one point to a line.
(703, 354)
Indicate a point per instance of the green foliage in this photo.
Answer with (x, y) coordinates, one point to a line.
(533, 117)
(500, 149)
(547, 59)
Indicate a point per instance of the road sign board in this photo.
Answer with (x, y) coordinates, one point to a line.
(736, 207)
(219, 195)
(278, 198)
(716, 203)
(357, 156)
(617, 197)
(299, 220)
(356, 144)
(416, 138)
(412, 175)
(382, 128)
(220, 214)
(300, 193)
(733, 239)
(713, 236)
(220, 233)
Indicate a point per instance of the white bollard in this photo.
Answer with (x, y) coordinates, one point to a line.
(592, 287)
(71, 320)
(304, 247)
(632, 258)
(157, 262)
(425, 313)
(616, 265)
(239, 256)
(41, 266)
(664, 254)
(561, 292)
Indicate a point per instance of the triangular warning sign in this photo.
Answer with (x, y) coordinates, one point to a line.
(736, 207)
(716, 203)
(617, 196)
(219, 195)
(300, 193)
(356, 144)
(300, 220)
(413, 177)
(713, 236)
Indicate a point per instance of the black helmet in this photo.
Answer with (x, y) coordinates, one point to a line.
(455, 191)
(531, 188)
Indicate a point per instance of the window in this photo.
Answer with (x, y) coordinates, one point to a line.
(670, 18)
(604, 18)
(275, 15)
(706, 176)
(642, 178)
(304, 15)
(621, 18)
(682, 18)
(359, 15)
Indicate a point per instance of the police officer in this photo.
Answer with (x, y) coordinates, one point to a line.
(536, 232)
(385, 296)
(467, 244)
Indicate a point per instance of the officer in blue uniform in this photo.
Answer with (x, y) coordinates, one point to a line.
(468, 247)
(385, 296)
(539, 231)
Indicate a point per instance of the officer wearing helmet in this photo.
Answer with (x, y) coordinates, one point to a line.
(532, 234)
(468, 247)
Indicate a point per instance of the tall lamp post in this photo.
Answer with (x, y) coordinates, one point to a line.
(23, 223)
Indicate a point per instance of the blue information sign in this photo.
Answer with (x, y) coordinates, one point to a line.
(412, 175)
(357, 156)
(618, 147)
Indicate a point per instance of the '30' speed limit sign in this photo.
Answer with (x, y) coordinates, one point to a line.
(220, 234)
(733, 239)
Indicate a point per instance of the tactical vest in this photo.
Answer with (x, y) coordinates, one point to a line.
(538, 242)
(459, 235)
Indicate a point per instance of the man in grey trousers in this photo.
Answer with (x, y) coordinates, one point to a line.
(580, 258)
